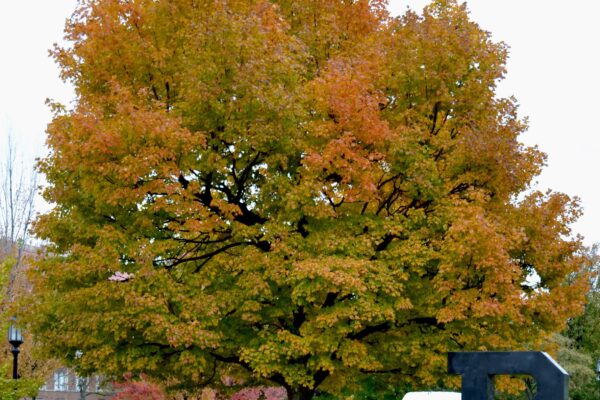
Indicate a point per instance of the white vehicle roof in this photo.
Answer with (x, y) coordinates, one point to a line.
(432, 396)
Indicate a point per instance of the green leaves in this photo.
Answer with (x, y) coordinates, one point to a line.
(15, 389)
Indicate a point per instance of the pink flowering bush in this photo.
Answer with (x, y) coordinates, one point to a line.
(260, 393)
(120, 276)
(145, 390)
(138, 390)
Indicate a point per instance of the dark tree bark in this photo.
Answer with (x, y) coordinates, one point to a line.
(302, 393)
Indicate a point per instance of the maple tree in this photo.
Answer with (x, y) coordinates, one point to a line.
(292, 193)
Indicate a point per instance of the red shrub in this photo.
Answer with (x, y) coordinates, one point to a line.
(138, 390)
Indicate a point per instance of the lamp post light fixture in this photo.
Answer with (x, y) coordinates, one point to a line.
(15, 338)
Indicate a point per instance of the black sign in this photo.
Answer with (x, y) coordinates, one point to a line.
(478, 369)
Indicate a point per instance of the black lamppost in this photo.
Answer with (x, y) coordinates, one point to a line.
(15, 338)
(598, 372)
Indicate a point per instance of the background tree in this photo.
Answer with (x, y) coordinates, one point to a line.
(583, 383)
(17, 192)
(584, 329)
(583, 346)
(18, 186)
(293, 193)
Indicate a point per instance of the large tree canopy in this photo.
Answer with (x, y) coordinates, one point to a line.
(294, 192)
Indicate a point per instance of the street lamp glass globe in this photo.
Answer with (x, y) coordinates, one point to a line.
(15, 337)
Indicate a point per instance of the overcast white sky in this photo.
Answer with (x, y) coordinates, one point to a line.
(553, 71)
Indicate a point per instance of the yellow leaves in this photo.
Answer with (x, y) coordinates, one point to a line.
(355, 354)
(295, 345)
(188, 334)
(403, 304)
(130, 147)
(268, 360)
(316, 277)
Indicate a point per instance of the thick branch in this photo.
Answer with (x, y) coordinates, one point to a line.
(434, 117)
(383, 327)
(302, 226)
(386, 326)
(298, 319)
(231, 360)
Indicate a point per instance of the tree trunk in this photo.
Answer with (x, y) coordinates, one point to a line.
(301, 393)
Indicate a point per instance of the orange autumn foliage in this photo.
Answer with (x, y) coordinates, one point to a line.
(293, 193)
